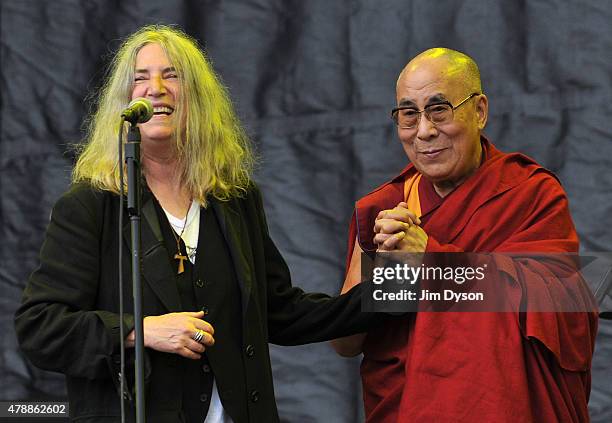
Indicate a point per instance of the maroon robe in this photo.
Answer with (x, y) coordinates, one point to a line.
(482, 367)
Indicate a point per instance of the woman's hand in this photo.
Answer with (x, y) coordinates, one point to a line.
(175, 332)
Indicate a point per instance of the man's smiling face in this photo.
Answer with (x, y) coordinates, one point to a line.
(445, 153)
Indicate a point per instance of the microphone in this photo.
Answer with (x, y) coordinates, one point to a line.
(140, 110)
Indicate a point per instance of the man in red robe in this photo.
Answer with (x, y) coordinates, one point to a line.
(461, 194)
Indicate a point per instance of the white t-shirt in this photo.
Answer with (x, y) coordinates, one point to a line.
(191, 225)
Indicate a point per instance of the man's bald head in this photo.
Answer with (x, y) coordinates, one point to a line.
(453, 64)
(444, 150)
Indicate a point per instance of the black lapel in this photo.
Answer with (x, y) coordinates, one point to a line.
(232, 225)
(156, 268)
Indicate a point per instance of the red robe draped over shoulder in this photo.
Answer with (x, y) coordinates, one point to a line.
(481, 367)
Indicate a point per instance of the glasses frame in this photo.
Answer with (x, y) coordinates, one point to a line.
(426, 112)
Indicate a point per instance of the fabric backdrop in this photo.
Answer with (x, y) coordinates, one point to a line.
(313, 82)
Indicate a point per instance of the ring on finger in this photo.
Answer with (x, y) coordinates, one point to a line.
(198, 336)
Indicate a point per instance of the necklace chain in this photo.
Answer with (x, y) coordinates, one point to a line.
(179, 254)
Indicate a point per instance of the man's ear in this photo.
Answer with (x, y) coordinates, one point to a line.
(482, 111)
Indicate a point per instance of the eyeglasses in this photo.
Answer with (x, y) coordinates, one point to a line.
(407, 117)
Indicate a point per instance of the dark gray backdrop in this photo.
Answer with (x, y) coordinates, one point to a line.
(313, 82)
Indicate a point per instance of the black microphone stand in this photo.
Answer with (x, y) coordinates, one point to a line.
(132, 161)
